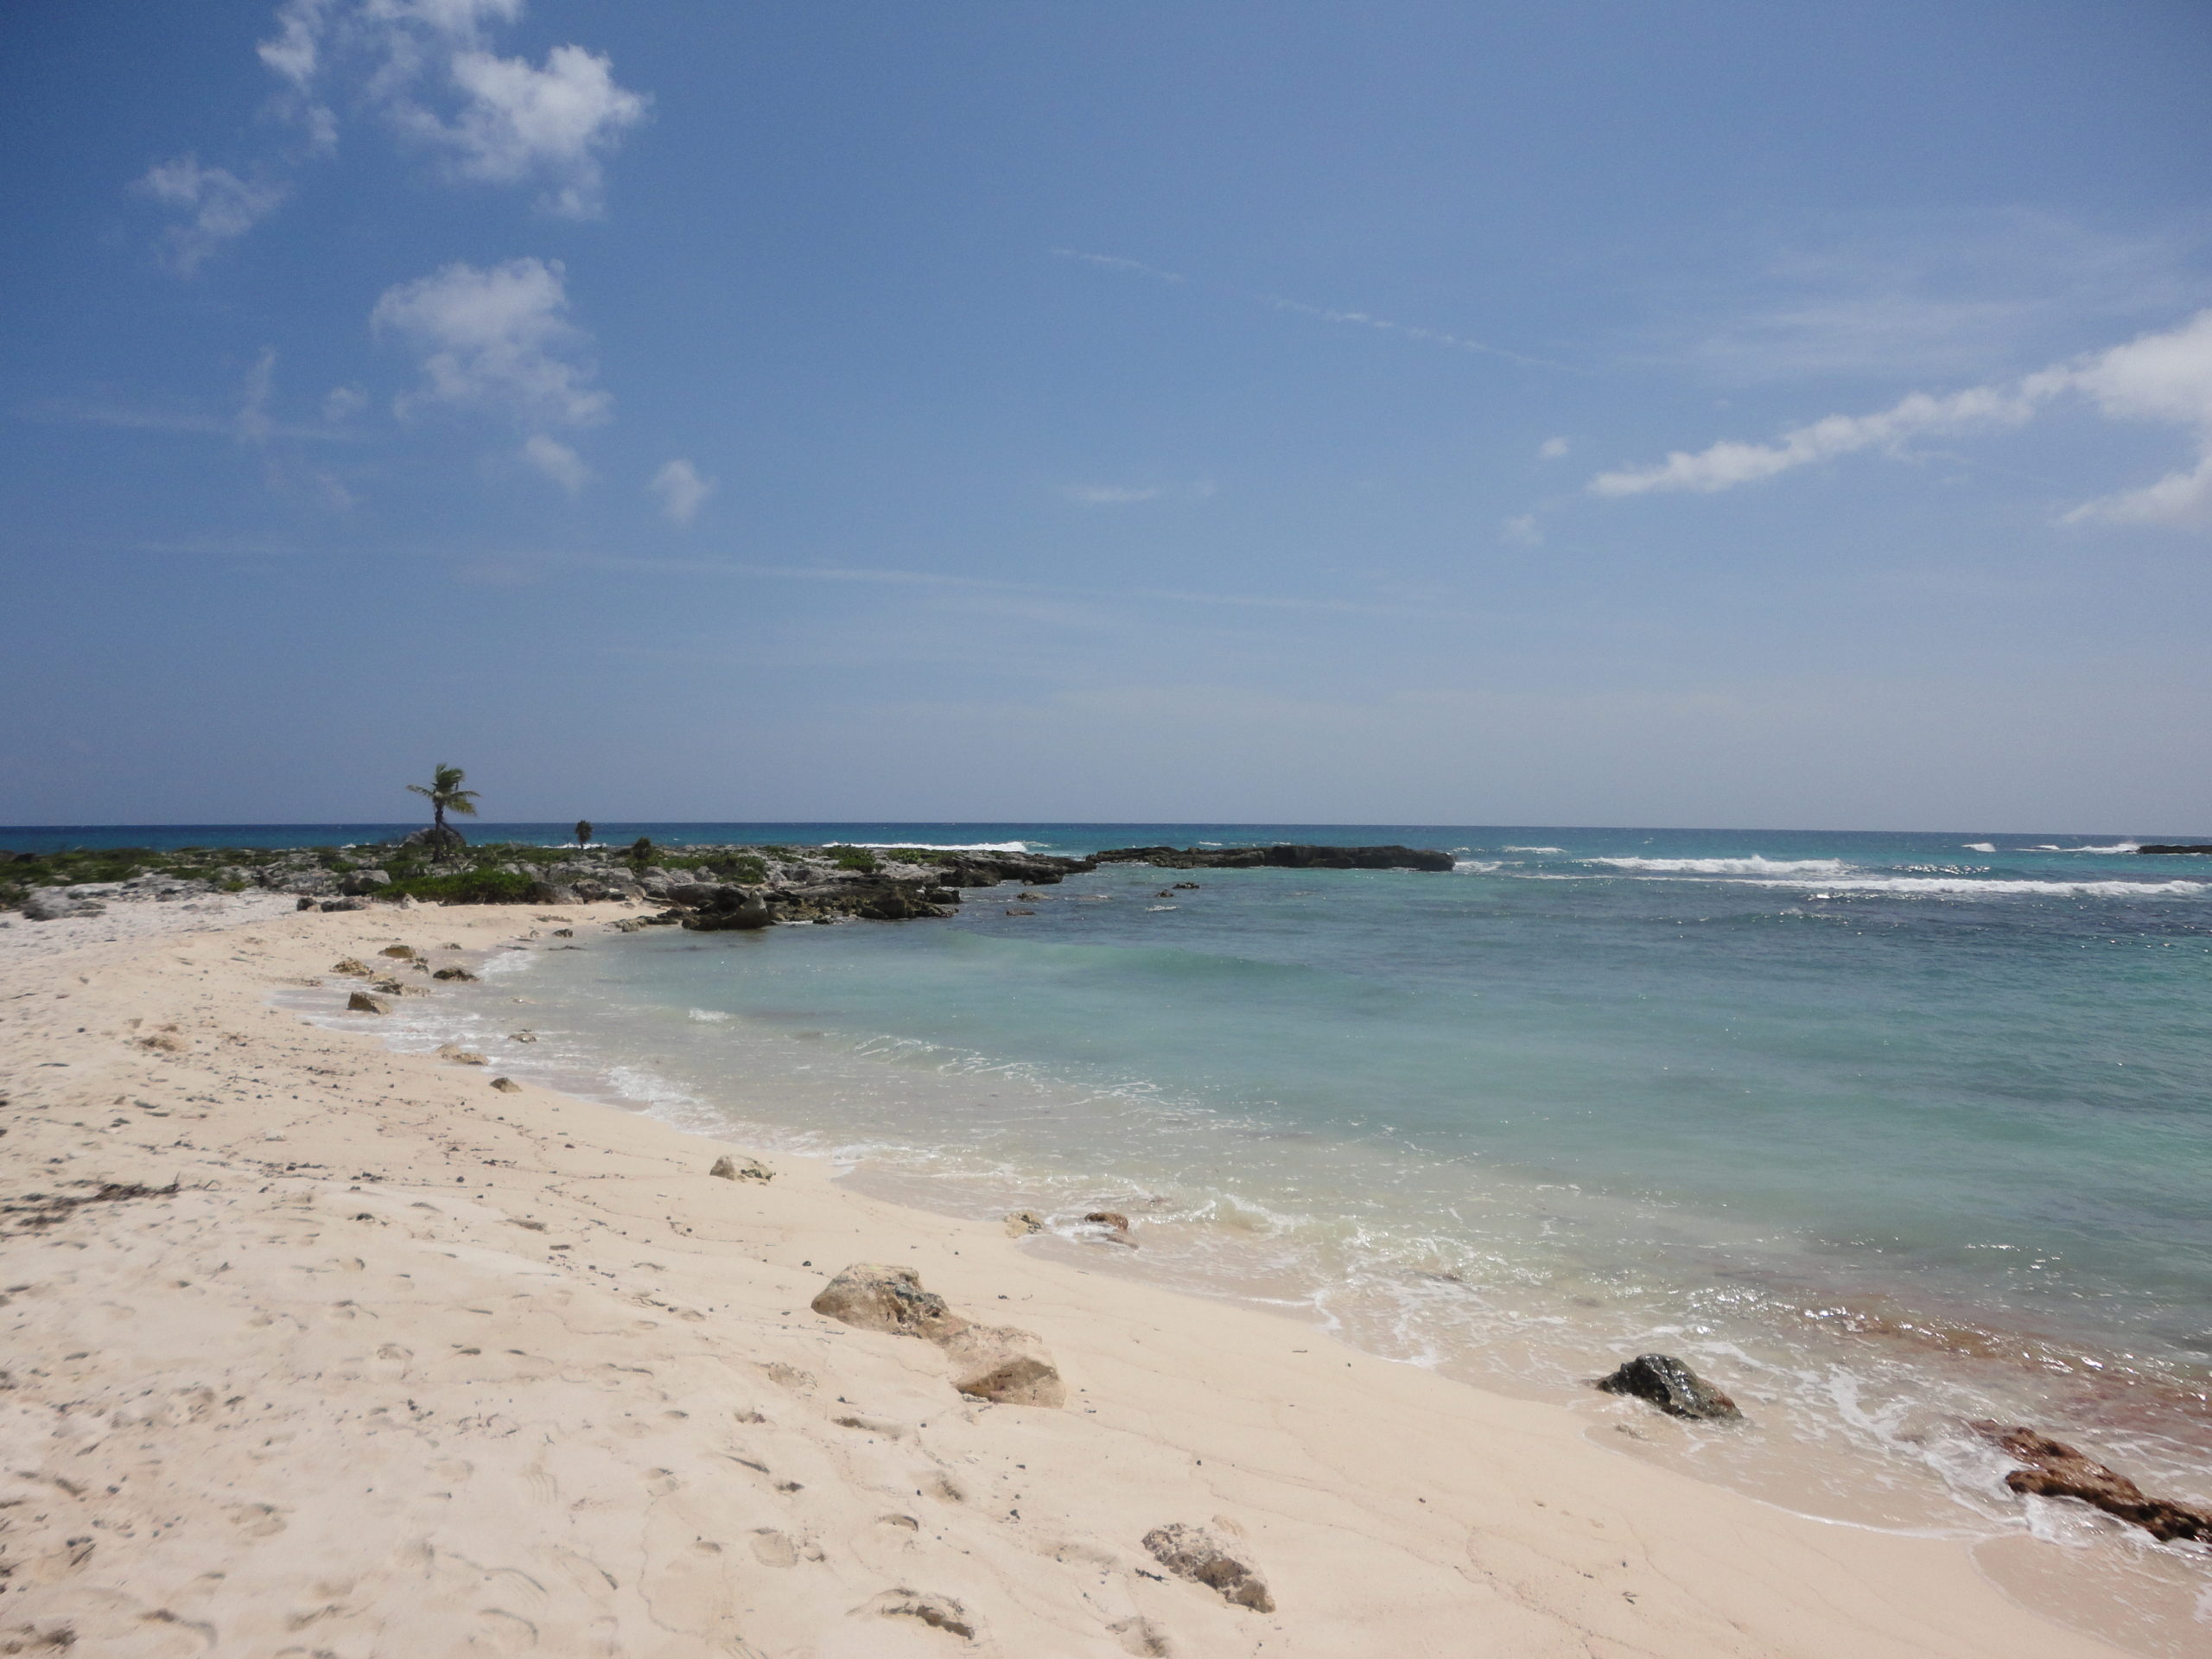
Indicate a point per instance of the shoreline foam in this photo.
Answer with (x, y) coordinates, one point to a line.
(279, 1374)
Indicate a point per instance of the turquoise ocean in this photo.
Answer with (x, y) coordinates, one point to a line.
(1883, 1131)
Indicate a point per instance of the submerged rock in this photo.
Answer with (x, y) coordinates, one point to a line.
(362, 1002)
(1204, 1557)
(1285, 855)
(2054, 1469)
(876, 1297)
(1116, 1223)
(1673, 1387)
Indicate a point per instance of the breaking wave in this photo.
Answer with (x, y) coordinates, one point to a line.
(1754, 865)
(943, 846)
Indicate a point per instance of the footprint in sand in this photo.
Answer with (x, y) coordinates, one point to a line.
(772, 1549)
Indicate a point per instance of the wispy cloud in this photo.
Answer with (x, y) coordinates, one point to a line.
(1115, 261)
(681, 489)
(217, 207)
(1884, 297)
(1552, 449)
(2165, 378)
(1122, 495)
(1522, 532)
(1326, 314)
(557, 461)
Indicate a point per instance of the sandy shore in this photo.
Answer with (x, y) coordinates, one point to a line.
(405, 1365)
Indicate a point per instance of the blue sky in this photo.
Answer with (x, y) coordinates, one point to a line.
(1670, 414)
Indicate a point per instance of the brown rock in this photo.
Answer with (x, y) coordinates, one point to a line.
(2055, 1469)
(506, 1085)
(1022, 1223)
(362, 1002)
(878, 1298)
(404, 952)
(749, 1169)
(1116, 1223)
(460, 1056)
(357, 969)
(999, 1363)
(460, 974)
(1204, 1557)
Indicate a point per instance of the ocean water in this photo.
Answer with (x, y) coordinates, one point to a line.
(1884, 1132)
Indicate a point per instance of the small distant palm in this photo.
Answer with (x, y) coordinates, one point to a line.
(445, 795)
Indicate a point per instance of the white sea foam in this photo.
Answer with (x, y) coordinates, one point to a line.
(1981, 888)
(943, 846)
(1473, 866)
(1981, 846)
(2117, 847)
(1755, 865)
(705, 1016)
(1534, 849)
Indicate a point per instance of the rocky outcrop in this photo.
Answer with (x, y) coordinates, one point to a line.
(1673, 1387)
(53, 904)
(2170, 847)
(1204, 1557)
(730, 910)
(992, 1361)
(439, 838)
(877, 1297)
(1022, 1223)
(1001, 1364)
(366, 883)
(2053, 1469)
(748, 1169)
(362, 1002)
(1283, 855)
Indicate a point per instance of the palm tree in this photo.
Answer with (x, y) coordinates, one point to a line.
(446, 794)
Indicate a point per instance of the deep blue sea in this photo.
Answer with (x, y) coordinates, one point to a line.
(1881, 1129)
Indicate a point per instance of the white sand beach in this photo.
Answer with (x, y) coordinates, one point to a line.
(316, 1349)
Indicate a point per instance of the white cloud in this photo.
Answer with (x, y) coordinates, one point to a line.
(557, 461)
(1523, 531)
(1552, 449)
(496, 339)
(426, 68)
(2164, 378)
(682, 491)
(521, 122)
(220, 207)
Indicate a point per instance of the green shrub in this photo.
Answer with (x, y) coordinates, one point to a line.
(855, 858)
(468, 887)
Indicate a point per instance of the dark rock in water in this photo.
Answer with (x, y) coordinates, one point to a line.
(1283, 855)
(445, 838)
(1671, 1386)
(2173, 849)
(2055, 1469)
(730, 910)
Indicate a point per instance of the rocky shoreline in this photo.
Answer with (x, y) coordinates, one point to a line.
(710, 887)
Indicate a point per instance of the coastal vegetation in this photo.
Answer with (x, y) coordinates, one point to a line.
(445, 794)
